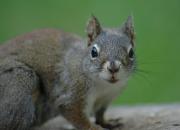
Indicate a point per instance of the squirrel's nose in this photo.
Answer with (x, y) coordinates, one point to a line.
(113, 67)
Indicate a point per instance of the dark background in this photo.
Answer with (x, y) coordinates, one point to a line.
(157, 25)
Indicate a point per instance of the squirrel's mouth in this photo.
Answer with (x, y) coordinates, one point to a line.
(113, 79)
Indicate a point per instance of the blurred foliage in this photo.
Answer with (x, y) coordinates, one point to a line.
(157, 25)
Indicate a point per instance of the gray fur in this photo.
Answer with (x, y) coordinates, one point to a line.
(16, 106)
(50, 72)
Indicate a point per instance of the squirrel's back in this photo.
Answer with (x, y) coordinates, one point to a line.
(41, 50)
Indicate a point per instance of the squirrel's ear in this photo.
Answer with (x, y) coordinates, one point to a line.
(128, 29)
(93, 29)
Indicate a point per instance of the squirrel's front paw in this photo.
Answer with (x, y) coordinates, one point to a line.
(113, 124)
(96, 127)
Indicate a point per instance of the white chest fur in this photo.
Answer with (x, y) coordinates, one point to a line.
(102, 94)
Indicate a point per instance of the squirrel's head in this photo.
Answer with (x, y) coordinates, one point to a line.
(111, 54)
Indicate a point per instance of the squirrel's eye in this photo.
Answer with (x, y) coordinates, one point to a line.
(131, 53)
(94, 52)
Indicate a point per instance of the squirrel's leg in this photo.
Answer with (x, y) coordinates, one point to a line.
(110, 124)
(75, 115)
(99, 116)
(16, 105)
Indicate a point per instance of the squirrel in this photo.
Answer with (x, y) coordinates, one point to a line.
(49, 72)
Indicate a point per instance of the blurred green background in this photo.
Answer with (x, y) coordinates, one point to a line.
(157, 25)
